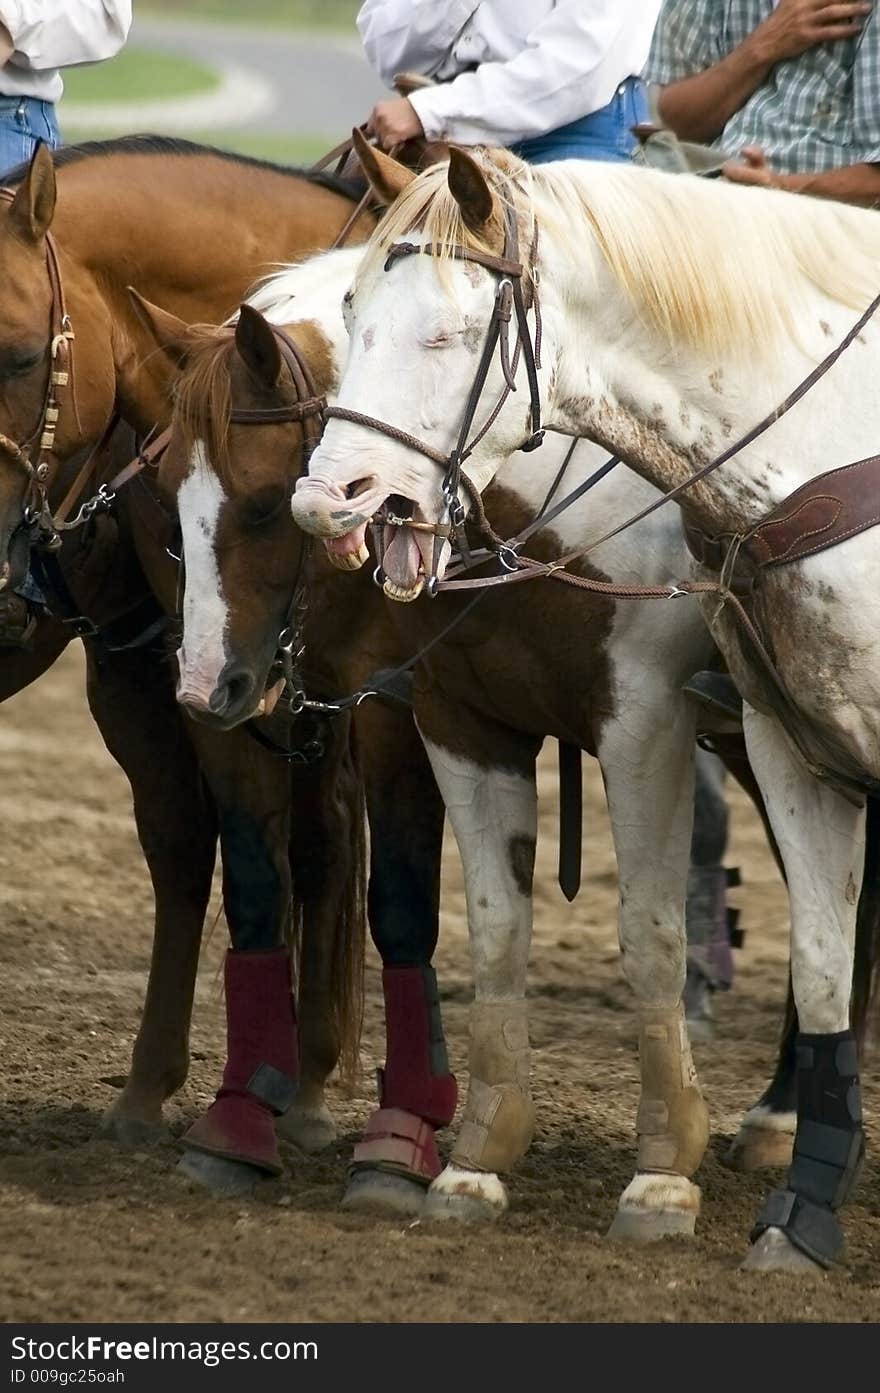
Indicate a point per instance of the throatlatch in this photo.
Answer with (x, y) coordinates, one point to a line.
(829, 1147)
(417, 1092)
(262, 1063)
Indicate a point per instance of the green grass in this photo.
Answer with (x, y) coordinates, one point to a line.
(298, 150)
(138, 74)
(289, 14)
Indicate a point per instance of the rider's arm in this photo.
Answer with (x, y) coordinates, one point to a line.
(571, 65)
(410, 35)
(702, 86)
(60, 35)
(857, 183)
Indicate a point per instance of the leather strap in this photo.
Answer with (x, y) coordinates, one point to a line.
(571, 806)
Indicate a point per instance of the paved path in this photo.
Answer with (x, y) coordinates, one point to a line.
(278, 82)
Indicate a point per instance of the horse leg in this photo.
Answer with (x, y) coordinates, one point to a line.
(648, 771)
(232, 1146)
(486, 774)
(396, 1158)
(821, 839)
(328, 856)
(132, 700)
(709, 959)
(765, 1135)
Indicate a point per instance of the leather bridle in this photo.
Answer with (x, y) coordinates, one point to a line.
(515, 295)
(35, 456)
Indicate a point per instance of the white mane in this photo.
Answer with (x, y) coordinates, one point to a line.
(711, 265)
(291, 292)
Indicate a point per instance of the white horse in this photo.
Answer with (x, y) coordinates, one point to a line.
(676, 313)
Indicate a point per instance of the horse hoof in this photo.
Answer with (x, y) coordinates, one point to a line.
(221, 1176)
(650, 1225)
(466, 1197)
(380, 1192)
(757, 1148)
(774, 1252)
(654, 1207)
(311, 1130)
(132, 1131)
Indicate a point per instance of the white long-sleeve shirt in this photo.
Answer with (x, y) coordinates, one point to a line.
(541, 63)
(57, 35)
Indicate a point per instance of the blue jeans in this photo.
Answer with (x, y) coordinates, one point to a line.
(24, 121)
(603, 135)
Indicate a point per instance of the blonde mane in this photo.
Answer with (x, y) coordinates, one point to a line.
(715, 267)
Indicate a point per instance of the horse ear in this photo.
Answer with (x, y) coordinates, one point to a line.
(258, 345)
(34, 203)
(169, 333)
(468, 187)
(386, 177)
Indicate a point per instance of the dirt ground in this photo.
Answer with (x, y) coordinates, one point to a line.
(89, 1232)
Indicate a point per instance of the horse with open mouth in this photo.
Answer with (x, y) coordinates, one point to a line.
(491, 680)
(193, 227)
(641, 324)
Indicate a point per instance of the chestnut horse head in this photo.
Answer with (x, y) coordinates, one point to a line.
(44, 407)
(236, 599)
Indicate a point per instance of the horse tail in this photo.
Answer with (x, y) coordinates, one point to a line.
(328, 919)
(347, 983)
(866, 965)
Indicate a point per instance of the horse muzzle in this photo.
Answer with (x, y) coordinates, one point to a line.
(323, 510)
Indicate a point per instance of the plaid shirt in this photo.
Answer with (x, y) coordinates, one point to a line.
(818, 111)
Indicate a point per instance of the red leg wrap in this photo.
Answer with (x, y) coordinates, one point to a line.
(262, 1063)
(416, 1076)
(394, 1140)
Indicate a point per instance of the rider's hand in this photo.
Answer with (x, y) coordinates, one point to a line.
(796, 25)
(753, 170)
(394, 121)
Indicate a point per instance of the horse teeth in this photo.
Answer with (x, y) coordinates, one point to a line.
(403, 596)
(350, 560)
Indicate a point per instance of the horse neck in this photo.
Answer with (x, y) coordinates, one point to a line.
(667, 412)
(192, 234)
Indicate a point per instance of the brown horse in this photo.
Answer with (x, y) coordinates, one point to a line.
(192, 227)
(495, 722)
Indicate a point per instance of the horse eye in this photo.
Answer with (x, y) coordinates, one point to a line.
(15, 362)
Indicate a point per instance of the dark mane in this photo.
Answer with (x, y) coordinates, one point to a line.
(174, 145)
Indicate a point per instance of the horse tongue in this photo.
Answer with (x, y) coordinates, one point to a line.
(269, 699)
(348, 553)
(402, 560)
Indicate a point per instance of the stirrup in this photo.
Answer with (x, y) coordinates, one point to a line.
(719, 702)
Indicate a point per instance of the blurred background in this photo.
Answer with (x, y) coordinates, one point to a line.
(280, 79)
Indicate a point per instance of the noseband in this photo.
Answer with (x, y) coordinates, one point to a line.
(35, 456)
(511, 299)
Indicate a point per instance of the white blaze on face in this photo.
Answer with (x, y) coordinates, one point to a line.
(202, 654)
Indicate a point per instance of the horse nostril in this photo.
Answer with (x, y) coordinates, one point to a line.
(219, 699)
(231, 693)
